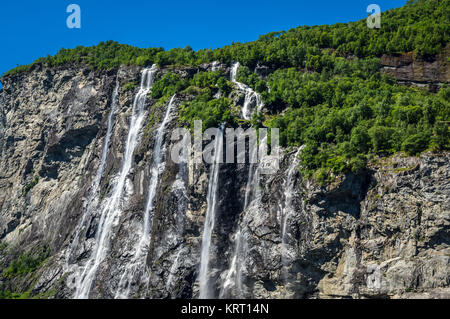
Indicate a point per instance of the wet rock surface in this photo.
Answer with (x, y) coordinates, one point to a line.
(381, 234)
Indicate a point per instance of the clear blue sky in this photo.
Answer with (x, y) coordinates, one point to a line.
(31, 29)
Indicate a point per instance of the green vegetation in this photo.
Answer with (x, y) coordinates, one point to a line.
(14, 295)
(155, 115)
(421, 26)
(213, 112)
(203, 106)
(26, 263)
(248, 77)
(326, 90)
(30, 186)
(14, 269)
(342, 117)
(168, 85)
(130, 86)
(7, 294)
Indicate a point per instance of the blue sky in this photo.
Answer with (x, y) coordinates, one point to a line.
(31, 29)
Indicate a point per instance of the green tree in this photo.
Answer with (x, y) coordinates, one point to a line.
(416, 143)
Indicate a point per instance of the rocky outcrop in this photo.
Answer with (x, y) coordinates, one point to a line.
(381, 234)
(413, 70)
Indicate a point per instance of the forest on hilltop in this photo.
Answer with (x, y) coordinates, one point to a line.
(326, 89)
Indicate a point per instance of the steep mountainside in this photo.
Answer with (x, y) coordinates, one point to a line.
(92, 205)
(380, 233)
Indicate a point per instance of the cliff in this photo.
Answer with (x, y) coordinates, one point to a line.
(383, 233)
(416, 71)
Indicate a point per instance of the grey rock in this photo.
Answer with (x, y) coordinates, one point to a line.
(381, 234)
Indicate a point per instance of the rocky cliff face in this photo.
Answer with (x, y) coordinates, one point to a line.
(415, 71)
(383, 234)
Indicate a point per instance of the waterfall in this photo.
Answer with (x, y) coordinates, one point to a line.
(136, 266)
(173, 269)
(205, 289)
(215, 66)
(288, 210)
(92, 201)
(251, 188)
(111, 208)
(233, 277)
(250, 95)
(179, 188)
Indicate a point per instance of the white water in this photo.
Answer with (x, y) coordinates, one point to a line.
(111, 208)
(288, 210)
(250, 95)
(205, 289)
(136, 267)
(92, 201)
(215, 66)
(233, 277)
(173, 269)
(179, 187)
(252, 186)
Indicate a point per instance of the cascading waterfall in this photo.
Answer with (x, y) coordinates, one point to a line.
(173, 268)
(250, 95)
(92, 202)
(179, 187)
(215, 66)
(251, 187)
(288, 210)
(111, 208)
(205, 289)
(135, 268)
(233, 278)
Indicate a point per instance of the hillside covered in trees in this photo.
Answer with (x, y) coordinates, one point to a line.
(94, 205)
(323, 87)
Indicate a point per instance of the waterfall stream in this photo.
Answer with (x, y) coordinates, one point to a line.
(179, 188)
(111, 207)
(93, 198)
(136, 271)
(233, 278)
(136, 267)
(173, 269)
(288, 210)
(250, 95)
(205, 289)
